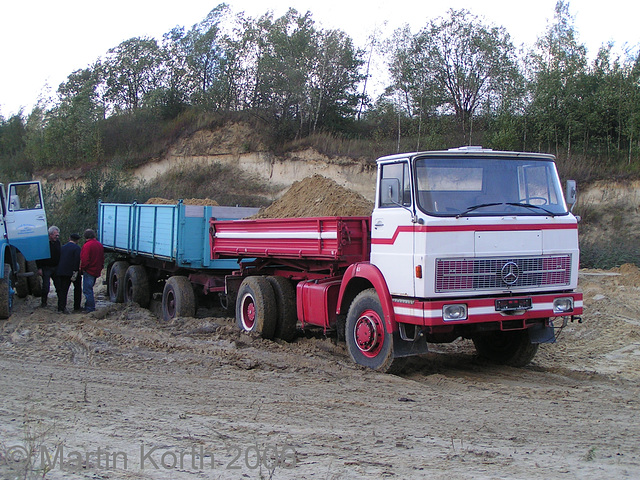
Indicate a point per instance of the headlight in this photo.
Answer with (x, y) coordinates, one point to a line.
(457, 311)
(563, 305)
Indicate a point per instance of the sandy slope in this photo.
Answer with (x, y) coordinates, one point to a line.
(120, 383)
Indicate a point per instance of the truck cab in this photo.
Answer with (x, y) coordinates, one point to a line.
(472, 240)
(23, 227)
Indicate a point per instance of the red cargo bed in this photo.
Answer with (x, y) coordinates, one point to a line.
(342, 239)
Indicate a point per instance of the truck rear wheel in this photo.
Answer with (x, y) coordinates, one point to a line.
(22, 285)
(116, 283)
(287, 316)
(508, 348)
(136, 288)
(256, 307)
(178, 299)
(6, 296)
(34, 281)
(368, 342)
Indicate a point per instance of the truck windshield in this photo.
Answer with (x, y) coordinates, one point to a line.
(488, 186)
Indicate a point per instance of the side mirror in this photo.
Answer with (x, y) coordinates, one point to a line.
(571, 193)
(390, 191)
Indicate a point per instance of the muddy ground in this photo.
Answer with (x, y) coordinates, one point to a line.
(117, 384)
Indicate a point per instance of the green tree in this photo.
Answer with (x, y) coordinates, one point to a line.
(456, 63)
(132, 70)
(14, 163)
(71, 129)
(559, 67)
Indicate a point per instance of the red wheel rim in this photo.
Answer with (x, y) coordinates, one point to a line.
(248, 312)
(369, 333)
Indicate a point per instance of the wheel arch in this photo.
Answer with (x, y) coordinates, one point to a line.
(359, 277)
(8, 255)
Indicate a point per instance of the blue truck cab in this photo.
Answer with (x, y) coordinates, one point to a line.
(23, 226)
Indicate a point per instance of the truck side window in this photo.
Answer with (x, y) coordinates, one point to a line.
(395, 174)
(25, 196)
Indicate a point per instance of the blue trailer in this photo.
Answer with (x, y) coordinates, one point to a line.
(163, 248)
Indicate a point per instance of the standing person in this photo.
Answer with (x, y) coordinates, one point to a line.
(67, 271)
(91, 264)
(47, 266)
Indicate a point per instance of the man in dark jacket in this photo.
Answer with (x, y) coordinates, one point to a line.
(91, 265)
(67, 272)
(47, 266)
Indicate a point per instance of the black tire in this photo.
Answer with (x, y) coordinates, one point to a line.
(22, 285)
(287, 313)
(256, 308)
(178, 299)
(136, 286)
(368, 341)
(507, 348)
(115, 282)
(6, 300)
(35, 280)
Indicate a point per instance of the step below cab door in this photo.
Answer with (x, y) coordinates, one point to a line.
(25, 219)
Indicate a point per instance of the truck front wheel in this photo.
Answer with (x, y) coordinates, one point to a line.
(178, 299)
(508, 348)
(256, 308)
(368, 342)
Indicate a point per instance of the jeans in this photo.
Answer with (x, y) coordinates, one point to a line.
(88, 281)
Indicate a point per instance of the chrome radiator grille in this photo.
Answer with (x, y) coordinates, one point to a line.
(464, 274)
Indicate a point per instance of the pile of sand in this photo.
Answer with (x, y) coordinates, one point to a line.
(318, 196)
(186, 201)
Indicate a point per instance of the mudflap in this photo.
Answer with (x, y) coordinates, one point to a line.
(409, 347)
(540, 333)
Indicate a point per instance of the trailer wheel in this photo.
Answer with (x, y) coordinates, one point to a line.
(137, 286)
(116, 283)
(178, 299)
(287, 314)
(507, 348)
(6, 293)
(368, 342)
(22, 285)
(256, 307)
(34, 281)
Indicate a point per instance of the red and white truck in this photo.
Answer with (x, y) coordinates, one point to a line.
(467, 242)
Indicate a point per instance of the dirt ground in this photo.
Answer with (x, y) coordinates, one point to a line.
(98, 389)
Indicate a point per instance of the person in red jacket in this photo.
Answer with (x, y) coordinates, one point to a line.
(91, 264)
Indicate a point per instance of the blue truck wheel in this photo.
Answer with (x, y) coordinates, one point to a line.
(115, 281)
(136, 286)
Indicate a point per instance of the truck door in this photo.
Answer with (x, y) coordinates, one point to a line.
(26, 221)
(3, 212)
(392, 231)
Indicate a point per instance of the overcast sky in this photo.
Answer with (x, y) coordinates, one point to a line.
(43, 41)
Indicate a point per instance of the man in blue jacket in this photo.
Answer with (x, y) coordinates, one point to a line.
(67, 271)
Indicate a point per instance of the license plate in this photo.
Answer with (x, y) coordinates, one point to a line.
(505, 304)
